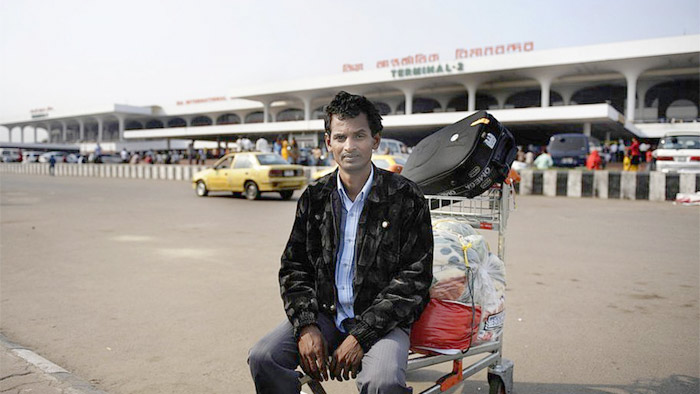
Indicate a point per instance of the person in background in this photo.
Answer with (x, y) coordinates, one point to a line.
(621, 149)
(651, 164)
(626, 162)
(277, 146)
(294, 152)
(124, 155)
(635, 154)
(190, 152)
(544, 160)
(98, 153)
(594, 161)
(316, 156)
(261, 145)
(613, 151)
(529, 158)
(52, 165)
(285, 150)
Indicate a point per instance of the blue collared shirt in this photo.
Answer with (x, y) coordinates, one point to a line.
(345, 259)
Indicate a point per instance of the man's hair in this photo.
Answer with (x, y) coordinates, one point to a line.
(348, 106)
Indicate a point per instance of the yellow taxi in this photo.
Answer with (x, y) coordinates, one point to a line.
(391, 163)
(250, 173)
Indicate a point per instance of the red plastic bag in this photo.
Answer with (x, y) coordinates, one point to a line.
(445, 325)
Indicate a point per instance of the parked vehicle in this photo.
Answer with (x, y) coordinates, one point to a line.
(58, 156)
(388, 162)
(678, 152)
(388, 146)
(250, 173)
(110, 159)
(10, 155)
(571, 149)
(31, 156)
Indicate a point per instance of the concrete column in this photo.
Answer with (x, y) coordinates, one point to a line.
(687, 183)
(408, 103)
(607, 135)
(307, 108)
(81, 129)
(64, 131)
(471, 96)
(266, 111)
(574, 183)
(393, 105)
(121, 120)
(587, 129)
(566, 93)
(600, 184)
(549, 180)
(631, 78)
(657, 186)
(100, 126)
(628, 185)
(545, 85)
(642, 89)
(9, 133)
(526, 177)
(36, 135)
(443, 100)
(501, 97)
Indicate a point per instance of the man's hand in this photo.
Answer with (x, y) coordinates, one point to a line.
(312, 353)
(347, 359)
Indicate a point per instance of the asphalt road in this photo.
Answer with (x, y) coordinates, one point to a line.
(141, 287)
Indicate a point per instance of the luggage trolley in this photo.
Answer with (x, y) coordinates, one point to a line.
(488, 211)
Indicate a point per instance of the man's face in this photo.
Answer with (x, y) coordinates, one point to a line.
(351, 143)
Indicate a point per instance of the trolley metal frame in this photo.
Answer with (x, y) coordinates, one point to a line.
(488, 211)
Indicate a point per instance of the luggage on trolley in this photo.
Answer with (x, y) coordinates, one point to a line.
(463, 159)
(488, 211)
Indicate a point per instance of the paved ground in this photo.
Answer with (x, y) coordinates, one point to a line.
(141, 287)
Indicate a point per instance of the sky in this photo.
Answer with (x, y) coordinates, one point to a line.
(74, 54)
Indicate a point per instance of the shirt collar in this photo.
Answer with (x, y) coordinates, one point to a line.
(363, 193)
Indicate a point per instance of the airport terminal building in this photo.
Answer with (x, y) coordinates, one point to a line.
(639, 88)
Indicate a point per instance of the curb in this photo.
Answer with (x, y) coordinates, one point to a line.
(49, 369)
(602, 184)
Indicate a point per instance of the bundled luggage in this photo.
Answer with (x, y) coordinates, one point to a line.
(467, 303)
(462, 159)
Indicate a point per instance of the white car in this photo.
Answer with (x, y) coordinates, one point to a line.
(44, 158)
(678, 152)
(31, 156)
(10, 155)
(61, 157)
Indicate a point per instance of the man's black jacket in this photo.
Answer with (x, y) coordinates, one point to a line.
(393, 256)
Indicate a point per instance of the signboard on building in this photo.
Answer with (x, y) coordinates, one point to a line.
(201, 100)
(38, 113)
(460, 53)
